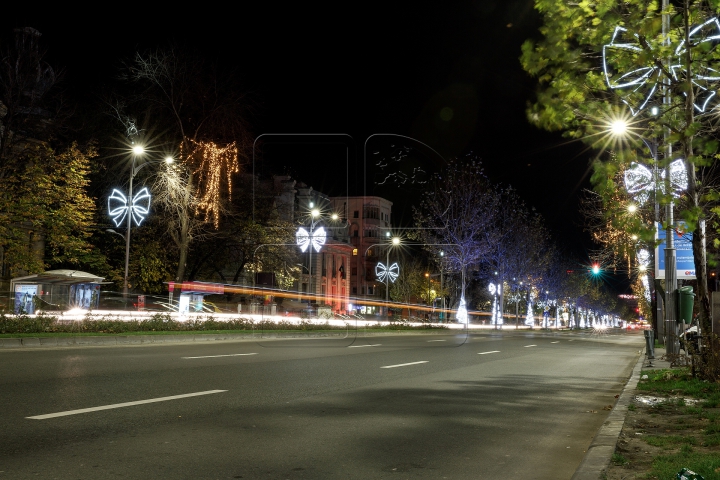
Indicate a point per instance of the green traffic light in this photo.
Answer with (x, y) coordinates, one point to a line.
(595, 269)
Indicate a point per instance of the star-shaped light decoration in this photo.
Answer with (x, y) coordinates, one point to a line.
(641, 83)
(318, 238)
(639, 180)
(381, 272)
(118, 206)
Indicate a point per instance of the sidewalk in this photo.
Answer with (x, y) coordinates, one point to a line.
(599, 453)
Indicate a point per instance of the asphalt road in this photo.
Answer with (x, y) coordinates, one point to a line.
(515, 405)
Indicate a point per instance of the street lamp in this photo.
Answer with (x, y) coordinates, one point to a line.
(673, 178)
(314, 239)
(388, 273)
(427, 275)
(131, 207)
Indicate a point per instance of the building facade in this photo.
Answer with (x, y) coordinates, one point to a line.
(369, 231)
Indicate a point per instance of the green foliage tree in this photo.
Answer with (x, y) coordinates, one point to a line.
(47, 218)
(574, 96)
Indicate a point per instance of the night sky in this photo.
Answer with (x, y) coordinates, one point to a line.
(445, 77)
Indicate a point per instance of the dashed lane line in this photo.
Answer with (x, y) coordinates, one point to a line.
(121, 405)
(405, 364)
(216, 356)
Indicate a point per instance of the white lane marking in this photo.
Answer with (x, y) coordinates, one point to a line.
(360, 346)
(120, 405)
(485, 353)
(526, 346)
(231, 355)
(405, 364)
(437, 341)
(556, 341)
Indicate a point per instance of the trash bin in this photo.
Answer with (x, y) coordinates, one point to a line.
(650, 343)
(685, 304)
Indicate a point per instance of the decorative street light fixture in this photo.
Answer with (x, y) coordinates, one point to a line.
(315, 238)
(128, 208)
(388, 273)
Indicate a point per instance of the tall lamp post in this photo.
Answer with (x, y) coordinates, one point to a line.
(130, 208)
(313, 239)
(672, 179)
(386, 273)
(395, 241)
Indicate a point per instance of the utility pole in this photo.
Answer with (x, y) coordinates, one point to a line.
(670, 253)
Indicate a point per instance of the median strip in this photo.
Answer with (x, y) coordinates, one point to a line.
(121, 405)
(485, 353)
(405, 364)
(216, 356)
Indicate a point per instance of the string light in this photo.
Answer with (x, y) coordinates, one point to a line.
(462, 315)
(212, 164)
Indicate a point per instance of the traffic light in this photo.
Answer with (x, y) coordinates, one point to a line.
(595, 269)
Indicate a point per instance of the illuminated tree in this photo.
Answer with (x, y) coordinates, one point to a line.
(200, 108)
(602, 61)
(517, 242)
(454, 215)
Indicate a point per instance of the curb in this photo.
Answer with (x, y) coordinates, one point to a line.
(83, 341)
(600, 451)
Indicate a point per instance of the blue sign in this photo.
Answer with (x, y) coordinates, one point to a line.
(682, 241)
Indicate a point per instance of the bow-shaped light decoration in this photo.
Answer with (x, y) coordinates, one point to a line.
(643, 81)
(706, 32)
(639, 180)
(392, 273)
(118, 206)
(304, 238)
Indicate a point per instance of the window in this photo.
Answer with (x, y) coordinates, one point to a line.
(354, 290)
(371, 212)
(355, 250)
(356, 214)
(354, 271)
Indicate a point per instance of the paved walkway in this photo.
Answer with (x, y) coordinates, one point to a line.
(599, 454)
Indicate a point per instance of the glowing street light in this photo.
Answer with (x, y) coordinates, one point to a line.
(131, 208)
(618, 127)
(388, 273)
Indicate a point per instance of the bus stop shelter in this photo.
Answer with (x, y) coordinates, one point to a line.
(55, 290)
